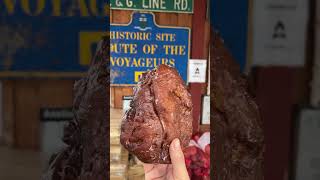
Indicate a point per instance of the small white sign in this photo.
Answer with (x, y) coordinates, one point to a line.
(197, 70)
(126, 100)
(279, 32)
(205, 110)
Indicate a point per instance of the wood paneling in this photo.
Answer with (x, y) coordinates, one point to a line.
(111, 97)
(8, 112)
(22, 102)
(118, 93)
(27, 118)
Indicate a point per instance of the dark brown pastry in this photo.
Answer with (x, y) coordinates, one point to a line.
(87, 135)
(161, 111)
(238, 138)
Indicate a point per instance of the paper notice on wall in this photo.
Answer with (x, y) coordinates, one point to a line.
(205, 118)
(197, 70)
(279, 32)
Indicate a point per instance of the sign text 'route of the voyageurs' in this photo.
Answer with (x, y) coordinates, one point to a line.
(142, 45)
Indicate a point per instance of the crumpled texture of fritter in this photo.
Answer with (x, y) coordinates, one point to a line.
(160, 112)
(238, 137)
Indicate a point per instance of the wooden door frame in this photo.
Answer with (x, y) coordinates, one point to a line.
(197, 52)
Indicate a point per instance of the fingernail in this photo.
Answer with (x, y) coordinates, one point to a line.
(177, 144)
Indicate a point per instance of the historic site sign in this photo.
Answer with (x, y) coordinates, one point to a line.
(142, 45)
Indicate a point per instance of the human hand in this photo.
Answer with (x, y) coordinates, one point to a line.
(175, 171)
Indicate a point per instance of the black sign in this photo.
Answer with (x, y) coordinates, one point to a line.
(56, 114)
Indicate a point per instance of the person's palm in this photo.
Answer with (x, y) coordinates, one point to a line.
(160, 172)
(175, 171)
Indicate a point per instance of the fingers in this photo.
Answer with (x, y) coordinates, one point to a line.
(177, 159)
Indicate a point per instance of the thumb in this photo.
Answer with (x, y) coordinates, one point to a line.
(177, 159)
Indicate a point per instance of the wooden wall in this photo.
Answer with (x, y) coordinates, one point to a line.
(22, 100)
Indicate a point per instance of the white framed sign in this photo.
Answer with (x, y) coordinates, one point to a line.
(197, 70)
(279, 32)
(205, 110)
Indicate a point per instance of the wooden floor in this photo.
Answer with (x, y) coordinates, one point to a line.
(18, 164)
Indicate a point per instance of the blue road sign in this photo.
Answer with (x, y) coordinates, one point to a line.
(142, 45)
